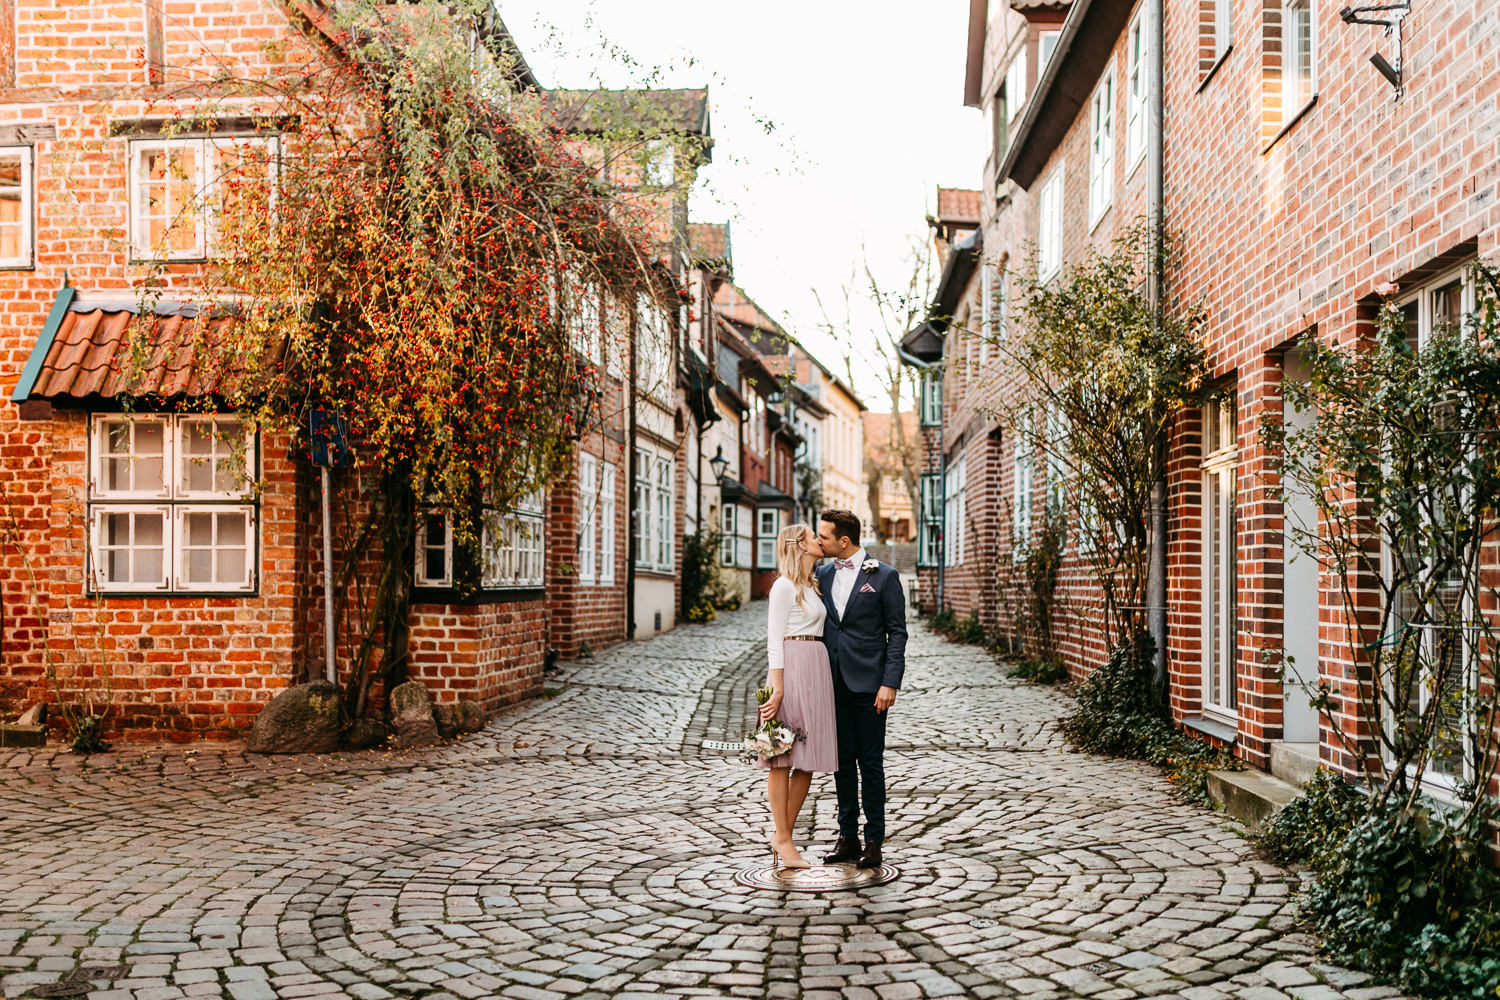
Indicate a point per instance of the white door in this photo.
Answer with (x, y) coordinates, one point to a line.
(1299, 614)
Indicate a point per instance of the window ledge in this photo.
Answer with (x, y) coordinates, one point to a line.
(1211, 727)
(1288, 126)
(1214, 69)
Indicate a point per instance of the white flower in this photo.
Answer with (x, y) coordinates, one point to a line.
(870, 565)
(763, 742)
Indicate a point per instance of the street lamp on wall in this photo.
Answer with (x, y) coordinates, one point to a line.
(719, 464)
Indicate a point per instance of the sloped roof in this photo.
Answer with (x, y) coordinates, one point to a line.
(104, 352)
(709, 242)
(684, 111)
(958, 205)
(731, 302)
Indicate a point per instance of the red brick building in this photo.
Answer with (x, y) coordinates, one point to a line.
(1297, 179)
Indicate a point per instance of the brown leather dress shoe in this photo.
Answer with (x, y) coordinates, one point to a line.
(845, 849)
(871, 857)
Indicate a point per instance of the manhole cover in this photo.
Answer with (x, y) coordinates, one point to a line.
(722, 745)
(818, 878)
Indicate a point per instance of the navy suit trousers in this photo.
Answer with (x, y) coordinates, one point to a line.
(861, 760)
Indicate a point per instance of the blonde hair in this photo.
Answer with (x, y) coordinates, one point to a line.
(794, 564)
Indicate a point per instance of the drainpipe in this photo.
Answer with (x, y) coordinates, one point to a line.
(1156, 575)
(927, 366)
(630, 512)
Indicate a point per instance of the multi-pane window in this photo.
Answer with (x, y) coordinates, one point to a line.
(1057, 462)
(1220, 632)
(189, 197)
(434, 558)
(511, 545)
(930, 521)
(768, 526)
(608, 512)
(167, 504)
(1046, 44)
(653, 348)
(728, 533)
(17, 215)
(640, 520)
(955, 484)
(1015, 87)
(1299, 55)
(1024, 478)
(588, 504)
(932, 399)
(1102, 147)
(588, 320)
(652, 524)
(665, 538)
(1136, 68)
(1049, 226)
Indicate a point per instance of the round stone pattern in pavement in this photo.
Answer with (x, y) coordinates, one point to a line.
(818, 878)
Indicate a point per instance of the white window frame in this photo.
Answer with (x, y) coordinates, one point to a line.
(1295, 98)
(205, 183)
(26, 223)
(644, 523)
(932, 399)
(1015, 87)
(1223, 27)
(930, 521)
(1046, 48)
(653, 349)
(1049, 226)
(1102, 148)
(420, 578)
(1220, 508)
(172, 501)
(1138, 64)
(513, 545)
(588, 506)
(954, 496)
(728, 533)
(665, 534)
(587, 322)
(608, 519)
(767, 526)
(1023, 481)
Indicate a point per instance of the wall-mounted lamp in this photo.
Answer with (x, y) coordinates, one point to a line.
(1389, 17)
(719, 464)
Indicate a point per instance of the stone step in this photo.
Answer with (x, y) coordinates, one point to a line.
(15, 735)
(1252, 797)
(1294, 763)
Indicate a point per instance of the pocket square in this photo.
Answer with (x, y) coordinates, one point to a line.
(867, 589)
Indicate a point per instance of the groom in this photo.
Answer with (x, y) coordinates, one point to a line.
(866, 638)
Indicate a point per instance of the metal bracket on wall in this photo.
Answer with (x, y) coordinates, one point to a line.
(1389, 17)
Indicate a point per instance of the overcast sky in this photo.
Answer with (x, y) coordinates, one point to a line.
(865, 101)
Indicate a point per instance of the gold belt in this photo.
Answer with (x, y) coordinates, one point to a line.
(803, 638)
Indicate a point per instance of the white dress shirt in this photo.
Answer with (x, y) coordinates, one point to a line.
(844, 580)
(787, 617)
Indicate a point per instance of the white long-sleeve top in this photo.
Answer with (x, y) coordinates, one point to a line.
(786, 617)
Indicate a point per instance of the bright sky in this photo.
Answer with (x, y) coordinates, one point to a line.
(866, 100)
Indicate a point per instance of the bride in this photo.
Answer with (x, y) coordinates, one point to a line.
(801, 684)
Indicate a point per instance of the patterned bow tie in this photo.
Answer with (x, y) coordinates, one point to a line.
(843, 564)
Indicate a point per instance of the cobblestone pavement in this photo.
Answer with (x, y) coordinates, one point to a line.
(585, 847)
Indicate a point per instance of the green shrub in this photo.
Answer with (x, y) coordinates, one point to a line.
(969, 631)
(942, 622)
(1040, 671)
(1410, 894)
(1311, 828)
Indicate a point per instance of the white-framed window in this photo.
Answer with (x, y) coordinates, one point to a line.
(168, 504)
(1222, 27)
(1046, 44)
(653, 348)
(512, 544)
(932, 399)
(189, 196)
(728, 533)
(616, 336)
(433, 566)
(930, 520)
(1137, 65)
(1220, 527)
(1049, 225)
(665, 536)
(608, 517)
(642, 522)
(1102, 147)
(953, 512)
(17, 206)
(1024, 484)
(992, 310)
(1057, 462)
(1299, 53)
(1440, 303)
(1015, 87)
(588, 318)
(588, 508)
(768, 525)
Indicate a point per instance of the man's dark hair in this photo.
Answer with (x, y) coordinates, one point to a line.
(845, 524)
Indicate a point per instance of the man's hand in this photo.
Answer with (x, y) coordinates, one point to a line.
(884, 699)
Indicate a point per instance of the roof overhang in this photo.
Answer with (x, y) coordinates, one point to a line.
(957, 270)
(925, 342)
(1083, 50)
(979, 11)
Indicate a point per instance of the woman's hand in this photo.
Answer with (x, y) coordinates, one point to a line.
(770, 708)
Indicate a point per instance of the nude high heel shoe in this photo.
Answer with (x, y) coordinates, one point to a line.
(782, 863)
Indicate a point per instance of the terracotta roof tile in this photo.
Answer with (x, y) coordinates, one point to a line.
(709, 241)
(95, 353)
(958, 205)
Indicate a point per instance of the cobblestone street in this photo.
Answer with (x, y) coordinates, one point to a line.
(585, 846)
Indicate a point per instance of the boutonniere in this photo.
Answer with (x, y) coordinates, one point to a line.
(870, 565)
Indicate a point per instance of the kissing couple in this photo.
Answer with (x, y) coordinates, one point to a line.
(836, 636)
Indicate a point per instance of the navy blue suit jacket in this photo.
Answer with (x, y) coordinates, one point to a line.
(867, 644)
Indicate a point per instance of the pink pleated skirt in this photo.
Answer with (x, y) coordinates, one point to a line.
(807, 704)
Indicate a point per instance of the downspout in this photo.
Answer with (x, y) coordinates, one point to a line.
(927, 366)
(1156, 575)
(631, 527)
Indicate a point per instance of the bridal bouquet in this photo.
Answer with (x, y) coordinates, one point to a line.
(770, 739)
